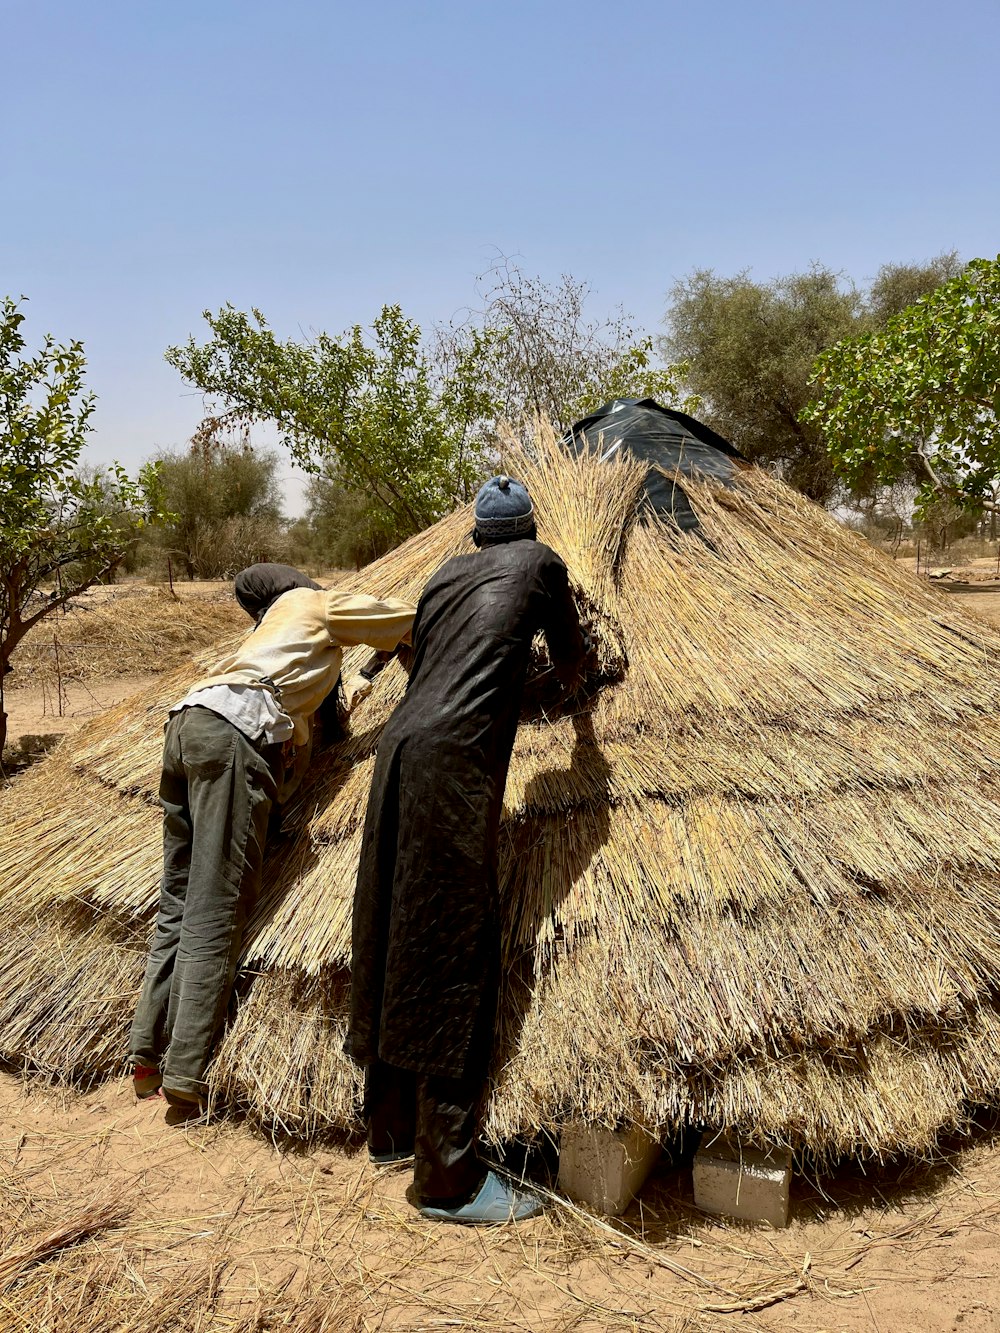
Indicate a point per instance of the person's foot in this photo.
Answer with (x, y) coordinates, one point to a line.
(496, 1202)
(146, 1081)
(390, 1151)
(390, 1158)
(184, 1105)
(183, 1115)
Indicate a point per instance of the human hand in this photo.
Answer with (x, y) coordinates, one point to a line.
(356, 689)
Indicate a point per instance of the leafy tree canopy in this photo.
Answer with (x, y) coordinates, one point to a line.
(897, 286)
(338, 530)
(400, 428)
(60, 530)
(374, 410)
(921, 395)
(750, 346)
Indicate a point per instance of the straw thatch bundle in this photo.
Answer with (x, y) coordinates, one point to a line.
(752, 882)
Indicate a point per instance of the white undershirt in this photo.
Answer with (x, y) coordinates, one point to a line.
(250, 708)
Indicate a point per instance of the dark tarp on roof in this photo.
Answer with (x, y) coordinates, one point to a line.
(668, 439)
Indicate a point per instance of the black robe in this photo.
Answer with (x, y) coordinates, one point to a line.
(426, 929)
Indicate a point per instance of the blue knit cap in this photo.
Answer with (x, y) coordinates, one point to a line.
(504, 509)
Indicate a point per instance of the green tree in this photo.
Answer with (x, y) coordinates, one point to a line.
(60, 531)
(373, 410)
(750, 349)
(921, 396)
(897, 286)
(339, 529)
(226, 506)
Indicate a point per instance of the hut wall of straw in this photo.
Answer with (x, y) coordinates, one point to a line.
(749, 879)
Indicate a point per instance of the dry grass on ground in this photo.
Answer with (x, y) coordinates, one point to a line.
(112, 1220)
(108, 644)
(125, 630)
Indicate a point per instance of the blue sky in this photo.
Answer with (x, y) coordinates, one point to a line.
(320, 159)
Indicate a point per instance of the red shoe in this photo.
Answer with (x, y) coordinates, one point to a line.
(146, 1080)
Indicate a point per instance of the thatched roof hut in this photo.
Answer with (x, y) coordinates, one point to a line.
(753, 883)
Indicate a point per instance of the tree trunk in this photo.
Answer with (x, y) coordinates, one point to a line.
(7, 646)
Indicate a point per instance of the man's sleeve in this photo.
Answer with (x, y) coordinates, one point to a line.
(561, 625)
(380, 622)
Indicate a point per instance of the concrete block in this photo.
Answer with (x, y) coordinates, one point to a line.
(738, 1180)
(605, 1168)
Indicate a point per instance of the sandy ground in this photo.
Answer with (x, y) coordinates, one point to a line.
(36, 711)
(238, 1229)
(975, 582)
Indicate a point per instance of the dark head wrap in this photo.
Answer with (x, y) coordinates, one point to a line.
(258, 587)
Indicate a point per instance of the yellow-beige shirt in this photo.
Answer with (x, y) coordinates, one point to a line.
(297, 647)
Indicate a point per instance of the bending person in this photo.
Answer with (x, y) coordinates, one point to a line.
(235, 746)
(426, 930)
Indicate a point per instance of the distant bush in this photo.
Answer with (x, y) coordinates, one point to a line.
(226, 507)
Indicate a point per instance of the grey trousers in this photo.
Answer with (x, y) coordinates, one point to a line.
(216, 790)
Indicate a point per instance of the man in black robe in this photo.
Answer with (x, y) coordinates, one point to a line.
(426, 929)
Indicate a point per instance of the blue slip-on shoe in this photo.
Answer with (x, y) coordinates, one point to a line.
(496, 1202)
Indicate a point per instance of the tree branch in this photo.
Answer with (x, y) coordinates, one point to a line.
(942, 488)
